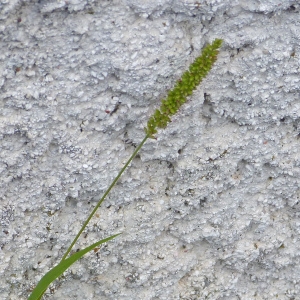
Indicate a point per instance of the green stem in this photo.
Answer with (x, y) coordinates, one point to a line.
(105, 194)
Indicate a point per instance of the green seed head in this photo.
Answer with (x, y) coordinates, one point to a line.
(184, 87)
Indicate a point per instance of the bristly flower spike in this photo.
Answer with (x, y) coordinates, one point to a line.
(183, 88)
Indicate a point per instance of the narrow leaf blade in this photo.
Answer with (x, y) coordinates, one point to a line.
(61, 267)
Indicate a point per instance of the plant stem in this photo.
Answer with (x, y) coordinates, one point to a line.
(105, 194)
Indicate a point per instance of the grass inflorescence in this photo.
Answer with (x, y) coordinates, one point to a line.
(183, 88)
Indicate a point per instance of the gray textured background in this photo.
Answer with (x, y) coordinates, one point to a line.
(208, 211)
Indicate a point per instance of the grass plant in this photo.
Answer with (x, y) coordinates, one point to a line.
(160, 119)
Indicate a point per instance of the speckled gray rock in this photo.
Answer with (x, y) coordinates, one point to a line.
(209, 210)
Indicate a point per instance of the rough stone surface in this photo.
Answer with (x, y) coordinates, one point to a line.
(209, 210)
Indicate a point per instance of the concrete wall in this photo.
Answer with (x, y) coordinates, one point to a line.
(209, 210)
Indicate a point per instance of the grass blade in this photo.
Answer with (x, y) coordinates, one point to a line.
(61, 267)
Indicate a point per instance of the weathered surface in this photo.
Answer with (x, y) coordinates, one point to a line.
(208, 211)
